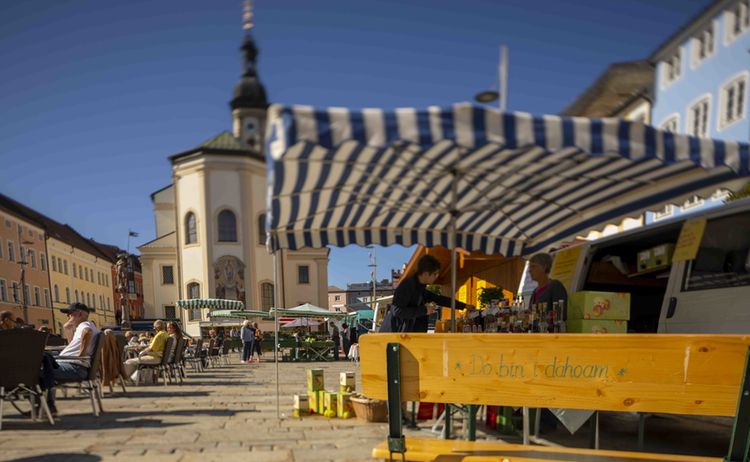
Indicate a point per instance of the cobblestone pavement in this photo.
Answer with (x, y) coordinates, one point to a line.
(229, 413)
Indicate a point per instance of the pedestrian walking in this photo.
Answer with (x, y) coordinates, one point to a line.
(247, 334)
(346, 339)
(258, 338)
(336, 337)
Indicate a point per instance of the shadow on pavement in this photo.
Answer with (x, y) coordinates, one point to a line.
(60, 457)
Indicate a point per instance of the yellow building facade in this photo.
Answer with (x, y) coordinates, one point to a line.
(84, 276)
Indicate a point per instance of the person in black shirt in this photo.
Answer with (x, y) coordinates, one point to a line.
(548, 290)
(413, 303)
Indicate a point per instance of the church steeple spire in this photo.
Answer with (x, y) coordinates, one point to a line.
(249, 92)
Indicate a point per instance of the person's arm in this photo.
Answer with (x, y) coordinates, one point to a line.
(86, 337)
(69, 329)
(441, 300)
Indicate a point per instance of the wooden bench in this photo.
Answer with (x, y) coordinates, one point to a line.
(671, 374)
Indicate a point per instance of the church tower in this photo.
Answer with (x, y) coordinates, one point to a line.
(249, 102)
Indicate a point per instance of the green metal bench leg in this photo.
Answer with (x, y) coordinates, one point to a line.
(472, 425)
(739, 444)
(396, 440)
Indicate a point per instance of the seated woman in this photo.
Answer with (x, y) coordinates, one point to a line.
(174, 330)
(151, 355)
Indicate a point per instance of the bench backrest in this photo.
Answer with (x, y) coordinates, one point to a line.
(678, 374)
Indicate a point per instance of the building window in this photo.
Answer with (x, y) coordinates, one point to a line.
(27, 294)
(194, 290)
(131, 287)
(54, 263)
(303, 274)
(1, 248)
(76, 292)
(227, 226)
(262, 229)
(266, 296)
(86, 273)
(672, 124)
(737, 20)
(191, 232)
(703, 44)
(101, 301)
(88, 299)
(337, 298)
(672, 67)
(47, 301)
(3, 291)
(169, 312)
(43, 261)
(67, 295)
(698, 118)
(16, 295)
(65, 266)
(32, 258)
(75, 271)
(11, 251)
(37, 297)
(167, 274)
(733, 101)
(108, 304)
(57, 293)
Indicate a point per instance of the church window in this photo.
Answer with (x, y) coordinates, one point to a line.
(262, 229)
(191, 231)
(266, 296)
(227, 226)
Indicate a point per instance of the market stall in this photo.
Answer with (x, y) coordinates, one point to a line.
(501, 183)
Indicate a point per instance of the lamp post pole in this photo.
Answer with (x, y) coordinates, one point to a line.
(121, 271)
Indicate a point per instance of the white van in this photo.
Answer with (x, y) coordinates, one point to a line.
(709, 294)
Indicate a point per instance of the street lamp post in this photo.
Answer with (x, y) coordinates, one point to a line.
(22, 262)
(501, 95)
(121, 272)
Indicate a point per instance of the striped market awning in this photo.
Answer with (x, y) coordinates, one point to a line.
(211, 303)
(240, 314)
(514, 183)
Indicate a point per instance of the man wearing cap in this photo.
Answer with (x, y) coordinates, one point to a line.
(73, 360)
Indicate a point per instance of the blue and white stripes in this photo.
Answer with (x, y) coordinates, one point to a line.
(340, 177)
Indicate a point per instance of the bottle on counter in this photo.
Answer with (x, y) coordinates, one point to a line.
(561, 304)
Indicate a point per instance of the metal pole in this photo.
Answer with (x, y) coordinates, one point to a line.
(503, 76)
(276, 334)
(452, 241)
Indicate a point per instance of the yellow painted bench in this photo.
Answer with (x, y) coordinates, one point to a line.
(671, 374)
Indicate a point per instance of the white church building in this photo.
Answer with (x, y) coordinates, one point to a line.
(210, 223)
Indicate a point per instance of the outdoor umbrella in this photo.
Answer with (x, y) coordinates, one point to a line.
(301, 322)
(469, 177)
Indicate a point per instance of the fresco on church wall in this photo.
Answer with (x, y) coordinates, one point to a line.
(229, 277)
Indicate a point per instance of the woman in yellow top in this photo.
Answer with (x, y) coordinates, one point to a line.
(152, 354)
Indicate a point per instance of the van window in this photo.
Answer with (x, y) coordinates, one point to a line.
(723, 259)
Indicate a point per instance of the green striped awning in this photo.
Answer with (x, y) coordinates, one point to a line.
(242, 314)
(211, 303)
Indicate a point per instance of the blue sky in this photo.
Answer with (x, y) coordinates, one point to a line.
(94, 95)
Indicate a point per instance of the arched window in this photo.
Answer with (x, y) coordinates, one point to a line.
(77, 296)
(266, 296)
(262, 229)
(227, 226)
(57, 293)
(67, 295)
(194, 290)
(191, 231)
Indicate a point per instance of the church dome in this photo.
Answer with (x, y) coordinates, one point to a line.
(249, 92)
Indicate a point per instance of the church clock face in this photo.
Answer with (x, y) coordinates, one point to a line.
(251, 131)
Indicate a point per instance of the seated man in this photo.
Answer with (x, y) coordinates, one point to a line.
(6, 320)
(151, 355)
(73, 361)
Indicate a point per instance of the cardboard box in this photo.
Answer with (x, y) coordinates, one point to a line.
(644, 260)
(345, 405)
(331, 401)
(661, 255)
(347, 382)
(315, 380)
(589, 304)
(301, 402)
(599, 326)
(316, 401)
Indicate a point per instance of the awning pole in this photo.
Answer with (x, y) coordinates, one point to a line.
(452, 238)
(276, 333)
